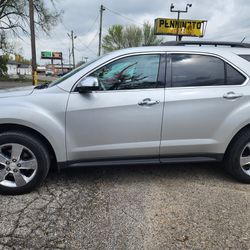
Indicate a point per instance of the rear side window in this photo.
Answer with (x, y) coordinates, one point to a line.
(246, 57)
(201, 70)
(233, 76)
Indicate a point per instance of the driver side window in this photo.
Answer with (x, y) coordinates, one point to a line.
(134, 72)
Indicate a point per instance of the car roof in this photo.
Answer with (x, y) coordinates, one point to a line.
(190, 48)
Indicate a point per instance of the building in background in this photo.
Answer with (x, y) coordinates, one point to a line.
(41, 69)
(58, 69)
(18, 68)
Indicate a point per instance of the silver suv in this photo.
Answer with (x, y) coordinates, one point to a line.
(134, 106)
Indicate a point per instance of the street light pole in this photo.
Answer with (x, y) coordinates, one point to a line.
(178, 37)
(33, 42)
(100, 31)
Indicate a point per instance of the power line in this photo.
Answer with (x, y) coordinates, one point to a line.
(119, 14)
(26, 42)
(81, 50)
(63, 24)
(96, 34)
(230, 34)
(92, 26)
(87, 46)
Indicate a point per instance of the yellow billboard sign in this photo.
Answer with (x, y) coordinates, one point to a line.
(183, 27)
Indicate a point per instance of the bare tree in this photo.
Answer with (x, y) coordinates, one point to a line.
(14, 17)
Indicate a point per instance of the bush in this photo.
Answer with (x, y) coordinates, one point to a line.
(3, 65)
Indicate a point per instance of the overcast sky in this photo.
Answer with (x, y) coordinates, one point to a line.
(227, 20)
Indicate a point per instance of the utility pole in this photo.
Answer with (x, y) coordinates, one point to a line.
(69, 57)
(73, 37)
(178, 37)
(62, 63)
(33, 42)
(100, 32)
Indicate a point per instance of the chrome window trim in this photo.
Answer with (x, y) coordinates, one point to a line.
(217, 56)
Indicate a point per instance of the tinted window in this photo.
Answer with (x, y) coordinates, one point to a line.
(246, 57)
(233, 76)
(197, 70)
(134, 72)
(201, 70)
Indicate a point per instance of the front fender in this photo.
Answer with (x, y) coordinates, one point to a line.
(43, 113)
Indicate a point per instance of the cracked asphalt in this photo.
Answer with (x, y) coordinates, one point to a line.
(181, 206)
(136, 207)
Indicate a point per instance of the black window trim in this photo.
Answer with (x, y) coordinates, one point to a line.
(225, 73)
(169, 70)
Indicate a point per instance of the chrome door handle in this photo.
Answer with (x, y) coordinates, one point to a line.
(232, 95)
(148, 102)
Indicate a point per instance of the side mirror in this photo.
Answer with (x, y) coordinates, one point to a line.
(88, 84)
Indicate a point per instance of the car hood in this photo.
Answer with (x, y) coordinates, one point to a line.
(15, 92)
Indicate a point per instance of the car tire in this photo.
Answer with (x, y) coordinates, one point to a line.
(237, 157)
(24, 163)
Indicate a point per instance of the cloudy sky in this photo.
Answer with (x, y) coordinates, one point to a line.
(228, 20)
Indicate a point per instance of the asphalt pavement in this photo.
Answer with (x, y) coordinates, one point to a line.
(180, 206)
(13, 84)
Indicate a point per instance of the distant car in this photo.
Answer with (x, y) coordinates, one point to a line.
(135, 106)
(49, 72)
(62, 74)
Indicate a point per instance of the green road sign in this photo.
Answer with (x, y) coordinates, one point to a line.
(51, 55)
(46, 54)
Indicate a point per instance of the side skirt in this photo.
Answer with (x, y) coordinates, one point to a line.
(142, 161)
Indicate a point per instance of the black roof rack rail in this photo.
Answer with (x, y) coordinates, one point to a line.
(201, 43)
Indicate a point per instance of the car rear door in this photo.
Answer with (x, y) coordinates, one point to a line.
(203, 91)
(123, 119)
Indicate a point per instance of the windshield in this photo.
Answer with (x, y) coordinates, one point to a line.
(72, 72)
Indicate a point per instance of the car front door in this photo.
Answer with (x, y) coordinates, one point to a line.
(122, 120)
(203, 91)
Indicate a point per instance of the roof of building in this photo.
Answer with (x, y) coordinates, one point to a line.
(20, 65)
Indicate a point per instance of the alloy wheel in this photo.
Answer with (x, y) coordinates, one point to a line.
(245, 159)
(18, 165)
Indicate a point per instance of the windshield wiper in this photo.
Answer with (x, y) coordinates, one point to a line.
(42, 86)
